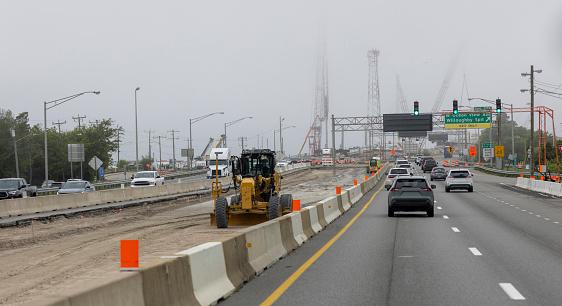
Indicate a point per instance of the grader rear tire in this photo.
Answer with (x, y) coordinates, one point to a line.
(273, 208)
(221, 215)
(286, 202)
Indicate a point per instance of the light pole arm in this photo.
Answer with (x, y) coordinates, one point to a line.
(205, 116)
(66, 99)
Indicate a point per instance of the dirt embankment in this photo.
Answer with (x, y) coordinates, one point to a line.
(60, 253)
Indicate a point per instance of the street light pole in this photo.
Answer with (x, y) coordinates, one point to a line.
(45, 108)
(231, 123)
(137, 130)
(193, 120)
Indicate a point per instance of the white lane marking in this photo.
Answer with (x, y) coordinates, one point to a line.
(445, 217)
(556, 222)
(523, 210)
(409, 256)
(517, 207)
(538, 216)
(511, 291)
(439, 207)
(475, 251)
(456, 230)
(547, 219)
(530, 213)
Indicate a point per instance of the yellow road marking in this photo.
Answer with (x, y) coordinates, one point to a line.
(279, 291)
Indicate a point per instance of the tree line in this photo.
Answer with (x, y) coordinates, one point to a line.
(100, 139)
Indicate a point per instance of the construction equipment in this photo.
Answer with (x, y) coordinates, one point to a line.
(257, 186)
(374, 165)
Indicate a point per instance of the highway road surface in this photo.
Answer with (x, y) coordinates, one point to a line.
(499, 245)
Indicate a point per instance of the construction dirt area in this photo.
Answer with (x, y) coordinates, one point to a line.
(62, 253)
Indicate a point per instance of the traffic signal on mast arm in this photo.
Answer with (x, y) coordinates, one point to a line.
(455, 107)
(498, 105)
(416, 108)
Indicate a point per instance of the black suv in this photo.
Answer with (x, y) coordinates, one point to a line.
(428, 165)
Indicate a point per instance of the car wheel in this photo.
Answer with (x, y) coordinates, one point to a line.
(430, 212)
(447, 189)
(390, 212)
(431, 179)
(471, 189)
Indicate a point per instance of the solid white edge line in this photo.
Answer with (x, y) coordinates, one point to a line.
(475, 251)
(456, 230)
(445, 217)
(511, 291)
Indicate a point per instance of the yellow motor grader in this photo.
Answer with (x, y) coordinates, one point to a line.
(256, 186)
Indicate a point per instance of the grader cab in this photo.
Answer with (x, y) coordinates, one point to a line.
(257, 186)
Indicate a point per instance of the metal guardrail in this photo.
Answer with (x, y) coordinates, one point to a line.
(517, 173)
(117, 184)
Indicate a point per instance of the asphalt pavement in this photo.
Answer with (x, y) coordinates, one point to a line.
(498, 245)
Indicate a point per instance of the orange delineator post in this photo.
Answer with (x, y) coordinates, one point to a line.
(296, 205)
(129, 255)
(338, 190)
(355, 182)
(521, 175)
(366, 177)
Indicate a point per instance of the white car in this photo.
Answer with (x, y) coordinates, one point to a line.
(396, 172)
(407, 166)
(282, 163)
(147, 178)
(459, 179)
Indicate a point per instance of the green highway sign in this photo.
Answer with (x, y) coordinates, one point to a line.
(474, 120)
(488, 145)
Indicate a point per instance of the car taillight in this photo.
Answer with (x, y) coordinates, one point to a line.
(470, 176)
(450, 176)
(395, 188)
(425, 188)
(391, 176)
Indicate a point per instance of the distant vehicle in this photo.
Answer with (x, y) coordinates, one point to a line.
(410, 194)
(224, 167)
(16, 188)
(423, 159)
(407, 166)
(51, 184)
(76, 186)
(459, 179)
(400, 162)
(396, 172)
(147, 178)
(327, 157)
(428, 165)
(282, 163)
(438, 173)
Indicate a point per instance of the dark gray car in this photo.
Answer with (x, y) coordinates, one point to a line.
(410, 194)
(438, 173)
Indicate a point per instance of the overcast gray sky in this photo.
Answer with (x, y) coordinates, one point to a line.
(257, 58)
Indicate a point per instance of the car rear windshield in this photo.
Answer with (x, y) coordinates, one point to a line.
(405, 166)
(399, 171)
(438, 170)
(459, 173)
(430, 162)
(400, 162)
(413, 183)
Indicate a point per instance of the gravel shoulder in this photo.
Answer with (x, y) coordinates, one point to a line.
(61, 253)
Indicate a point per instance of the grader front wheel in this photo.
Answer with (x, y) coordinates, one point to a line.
(221, 214)
(273, 208)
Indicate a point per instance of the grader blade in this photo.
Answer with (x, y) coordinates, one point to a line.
(242, 219)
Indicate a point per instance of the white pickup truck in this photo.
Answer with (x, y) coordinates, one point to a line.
(147, 178)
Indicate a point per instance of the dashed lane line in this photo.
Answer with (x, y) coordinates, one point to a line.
(445, 217)
(456, 230)
(511, 291)
(475, 251)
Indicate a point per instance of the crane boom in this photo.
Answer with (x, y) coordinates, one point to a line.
(307, 134)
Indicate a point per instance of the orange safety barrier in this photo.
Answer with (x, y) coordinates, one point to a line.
(129, 255)
(338, 190)
(296, 205)
(355, 182)
(521, 175)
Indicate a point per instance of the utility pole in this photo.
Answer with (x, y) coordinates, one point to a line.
(532, 167)
(242, 140)
(174, 146)
(119, 133)
(59, 124)
(79, 118)
(160, 150)
(149, 144)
